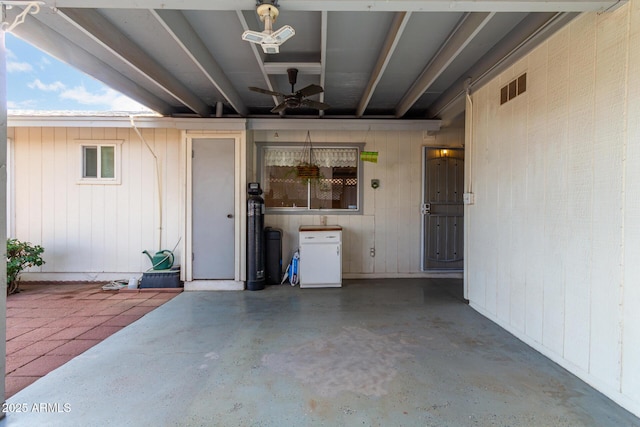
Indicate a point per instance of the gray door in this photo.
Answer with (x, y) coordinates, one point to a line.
(442, 209)
(213, 208)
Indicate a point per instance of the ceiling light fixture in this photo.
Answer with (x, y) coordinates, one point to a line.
(269, 40)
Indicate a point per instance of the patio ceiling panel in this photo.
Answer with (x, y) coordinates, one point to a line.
(491, 34)
(184, 35)
(417, 47)
(396, 59)
(469, 27)
(352, 53)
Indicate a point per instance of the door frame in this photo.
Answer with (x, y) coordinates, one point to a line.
(240, 211)
(423, 231)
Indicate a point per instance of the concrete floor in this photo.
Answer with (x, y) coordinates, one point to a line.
(373, 353)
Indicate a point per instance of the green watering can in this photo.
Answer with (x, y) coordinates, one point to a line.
(162, 260)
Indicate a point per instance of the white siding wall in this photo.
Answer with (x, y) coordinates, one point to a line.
(94, 229)
(554, 236)
(390, 222)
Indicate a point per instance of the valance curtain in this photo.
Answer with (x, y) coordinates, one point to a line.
(324, 157)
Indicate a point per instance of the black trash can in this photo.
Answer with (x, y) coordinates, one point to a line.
(273, 255)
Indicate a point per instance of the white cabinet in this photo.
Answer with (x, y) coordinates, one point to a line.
(320, 256)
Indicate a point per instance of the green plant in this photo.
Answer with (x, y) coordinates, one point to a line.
(20, 255)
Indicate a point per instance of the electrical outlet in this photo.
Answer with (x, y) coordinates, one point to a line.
(468, 198)
(372, 252)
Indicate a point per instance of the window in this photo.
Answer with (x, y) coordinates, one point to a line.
(99, 162)
(336, 188)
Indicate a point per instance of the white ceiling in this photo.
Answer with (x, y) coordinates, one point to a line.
(376, 59)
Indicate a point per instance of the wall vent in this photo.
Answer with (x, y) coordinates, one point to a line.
(513, 89)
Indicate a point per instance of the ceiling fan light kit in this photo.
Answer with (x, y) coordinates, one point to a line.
(269, 40)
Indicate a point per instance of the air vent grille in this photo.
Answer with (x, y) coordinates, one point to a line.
(513, 89)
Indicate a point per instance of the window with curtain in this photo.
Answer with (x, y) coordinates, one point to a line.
(99, 163)
(336, 188)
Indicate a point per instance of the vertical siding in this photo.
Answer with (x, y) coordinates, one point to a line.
(580, 164)
(94, 228)
(630, 383)
(391, 219)
(553, 239)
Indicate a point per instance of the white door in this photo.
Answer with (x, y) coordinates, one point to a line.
(213, 187)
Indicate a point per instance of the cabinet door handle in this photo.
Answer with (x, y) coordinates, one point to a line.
(338, 250)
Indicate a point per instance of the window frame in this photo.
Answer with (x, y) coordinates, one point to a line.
(306, 210)
(98, 144)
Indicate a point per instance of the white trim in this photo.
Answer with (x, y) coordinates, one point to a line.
(117, 144)
(11, 191)
(214, 285)
(240, 180)
(419, 275)
(224, 124)
(354, 5)
(77, 276)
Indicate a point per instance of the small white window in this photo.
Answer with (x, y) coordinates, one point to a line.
(100, 162)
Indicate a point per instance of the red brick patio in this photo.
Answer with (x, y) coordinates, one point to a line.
(49, 324)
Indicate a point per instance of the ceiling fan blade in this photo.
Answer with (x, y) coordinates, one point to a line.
(310, 90)
(280, 107)
(265, 91)
(315, 104)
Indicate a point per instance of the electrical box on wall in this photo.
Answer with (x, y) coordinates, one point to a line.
(468, 198)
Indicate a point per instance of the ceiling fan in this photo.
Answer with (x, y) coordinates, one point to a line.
(296, 99)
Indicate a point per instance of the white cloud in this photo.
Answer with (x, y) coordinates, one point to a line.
(15, 65)
(113, 100)
(21, 105)
(44, 63)
(51, 87)
(19, 67)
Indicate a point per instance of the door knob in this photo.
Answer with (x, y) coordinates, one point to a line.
(229, 216)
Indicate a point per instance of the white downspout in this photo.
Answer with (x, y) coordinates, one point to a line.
(158, 180)
(468, 196)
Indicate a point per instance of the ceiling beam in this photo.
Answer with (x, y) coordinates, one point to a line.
(393, 37)
(302, 67)
(267, 79)
(185, 36)
(37, 33)
(103, 32)
(531, 31)
(468, 28)
(356, 5)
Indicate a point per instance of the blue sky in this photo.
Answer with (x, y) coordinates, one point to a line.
(37, 81)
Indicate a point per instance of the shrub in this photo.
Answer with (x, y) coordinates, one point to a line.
(20, 255)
